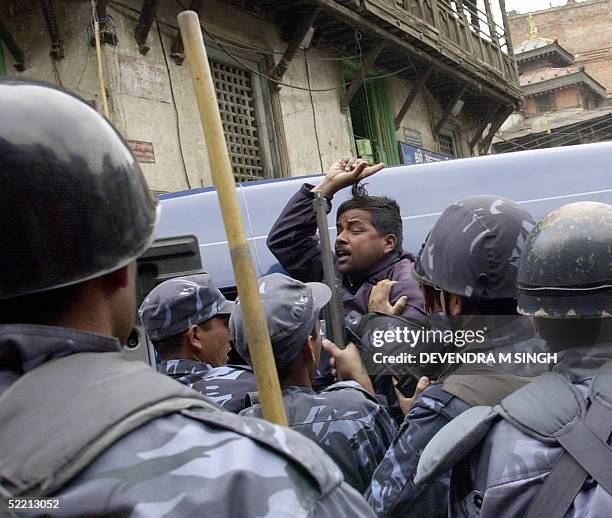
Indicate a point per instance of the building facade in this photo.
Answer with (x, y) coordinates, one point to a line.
(299, 84)
(564, 104)
(582, 28)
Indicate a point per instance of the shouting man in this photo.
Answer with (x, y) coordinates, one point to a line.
(368, 242)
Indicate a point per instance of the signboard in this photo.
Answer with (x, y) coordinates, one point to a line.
(143, 151)
(417, 155)
(139, 78)
(413, 137)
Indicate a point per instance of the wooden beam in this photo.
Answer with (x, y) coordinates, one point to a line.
(356, 21)
(499, 119)
(449, 108)
(293, 46)
(416, 88)
(491, 112)
(177, 50)
(147, 15)
(57, 48)
(7, 38)
(358, 79)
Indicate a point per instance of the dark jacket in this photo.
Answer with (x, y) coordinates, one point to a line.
(294, 242)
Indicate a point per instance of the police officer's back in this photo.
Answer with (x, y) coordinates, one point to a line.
(545, 450)
(345, 419)
(99, 434)
(467, 270)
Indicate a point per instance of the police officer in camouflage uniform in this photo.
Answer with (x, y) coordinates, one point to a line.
(345, 419)
(545, 450)
(96, 434)
(187, 318)
(467, 269)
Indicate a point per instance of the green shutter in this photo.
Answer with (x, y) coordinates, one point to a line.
(372, 117)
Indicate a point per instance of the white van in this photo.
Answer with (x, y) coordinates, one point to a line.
(541, 180)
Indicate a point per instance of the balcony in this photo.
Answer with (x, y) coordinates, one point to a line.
(453, 48)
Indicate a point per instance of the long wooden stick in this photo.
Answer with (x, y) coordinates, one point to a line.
(258, 337)
(99, 59)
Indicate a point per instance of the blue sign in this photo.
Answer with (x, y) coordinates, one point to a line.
(417, 155)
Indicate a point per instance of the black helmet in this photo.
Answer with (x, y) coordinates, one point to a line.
(74, 204)
(566, 268)
(473, 249)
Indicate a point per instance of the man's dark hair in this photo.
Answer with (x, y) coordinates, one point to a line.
(385, 213)
(170, 348)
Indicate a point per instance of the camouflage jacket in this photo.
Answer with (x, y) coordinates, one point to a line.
(181, 465)
(508, 467)
(346, 421)
(392, 491)
(227, 385)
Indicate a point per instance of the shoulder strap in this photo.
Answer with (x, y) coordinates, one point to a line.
(95, 398)
(453, 442)
(482, 385)
(553, 410)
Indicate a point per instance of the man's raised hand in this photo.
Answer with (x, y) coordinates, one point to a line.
(346, 172)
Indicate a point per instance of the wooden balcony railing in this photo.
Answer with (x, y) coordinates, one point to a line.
(457, 29)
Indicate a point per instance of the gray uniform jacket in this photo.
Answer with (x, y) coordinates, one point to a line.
(177, 465)
(347, 422)
(227, 385)
(508, 467)
(392, 491)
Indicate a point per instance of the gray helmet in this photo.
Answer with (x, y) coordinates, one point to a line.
(473, 249)
(74, 204)
(566, 268)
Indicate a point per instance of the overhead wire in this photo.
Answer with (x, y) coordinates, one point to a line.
(178, 122)
(547, 137)
(236, 59)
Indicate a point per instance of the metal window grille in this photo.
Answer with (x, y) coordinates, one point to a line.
(447, 144)
(234, 90)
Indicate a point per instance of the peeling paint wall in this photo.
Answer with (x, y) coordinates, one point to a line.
(151, 98)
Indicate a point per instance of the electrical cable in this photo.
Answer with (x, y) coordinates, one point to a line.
(178, 125)
(314, 115)
(535, 143)
(222, 47)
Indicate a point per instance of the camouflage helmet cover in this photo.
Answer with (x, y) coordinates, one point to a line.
(473, 250)
(566, 268)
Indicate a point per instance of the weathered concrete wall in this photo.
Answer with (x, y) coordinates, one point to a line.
(152, 101)
(151, 97)
(530, 106)
(582, 28)
(314, 125)
(423, 115)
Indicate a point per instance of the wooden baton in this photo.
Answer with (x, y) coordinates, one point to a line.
(260, 348)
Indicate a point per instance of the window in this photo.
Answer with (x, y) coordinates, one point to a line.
(242, 97)
(447, 144)
(545, 103)
(236, 105)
